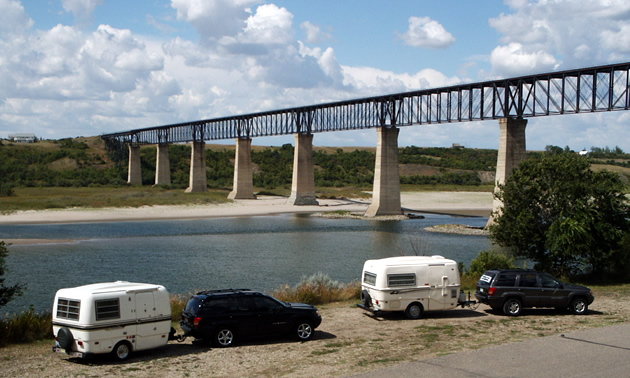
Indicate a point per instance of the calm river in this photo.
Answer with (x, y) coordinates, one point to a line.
(188, 255)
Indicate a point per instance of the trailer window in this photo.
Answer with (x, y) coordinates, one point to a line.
(107, 309)
(68, 309)
(369, 278)
(401, 280)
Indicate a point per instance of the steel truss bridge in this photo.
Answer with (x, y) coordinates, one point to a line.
(594, 89)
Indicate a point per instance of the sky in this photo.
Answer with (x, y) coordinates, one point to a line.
(71, 68)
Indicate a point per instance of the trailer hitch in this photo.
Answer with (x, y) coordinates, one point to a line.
(172, 336)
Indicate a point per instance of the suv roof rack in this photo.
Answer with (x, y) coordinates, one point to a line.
(219, 291)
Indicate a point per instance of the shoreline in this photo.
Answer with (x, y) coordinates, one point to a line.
(465, 204)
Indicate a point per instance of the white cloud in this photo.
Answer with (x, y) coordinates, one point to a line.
(575, 33)
(269, 25)
(314, 33)
(514, 60)
(214, 19)
(81, 9)
(13, 20)
(425, 32)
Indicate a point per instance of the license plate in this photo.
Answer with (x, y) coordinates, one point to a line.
(73, 354)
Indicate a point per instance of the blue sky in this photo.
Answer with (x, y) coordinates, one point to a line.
(87, 67)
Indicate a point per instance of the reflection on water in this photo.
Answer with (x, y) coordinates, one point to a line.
(188, 255)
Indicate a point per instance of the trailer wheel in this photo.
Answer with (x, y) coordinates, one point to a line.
(414, 310)
(65, 339)
(224, 338)
(512, 307)
(121, 351)
(366, 299)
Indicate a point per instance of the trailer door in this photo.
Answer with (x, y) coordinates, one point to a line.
(145, 310)
(438, 281)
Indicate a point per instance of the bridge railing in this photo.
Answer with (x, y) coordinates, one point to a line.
(594, 89)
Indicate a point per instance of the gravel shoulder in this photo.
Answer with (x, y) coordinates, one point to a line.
(348, 342)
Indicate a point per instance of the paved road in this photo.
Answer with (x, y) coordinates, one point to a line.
(597, 352)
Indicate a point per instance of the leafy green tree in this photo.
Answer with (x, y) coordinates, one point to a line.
(7, 293)
(490, 260)
(562, 215)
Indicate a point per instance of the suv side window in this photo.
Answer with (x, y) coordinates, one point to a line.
(505, 279)
(549, 282)
(266, 304)
(528, 280)
(217, 305)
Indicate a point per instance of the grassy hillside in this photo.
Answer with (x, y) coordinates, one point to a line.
(56, 173)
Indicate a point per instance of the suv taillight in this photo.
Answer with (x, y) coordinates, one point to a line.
(492, 290)
(197, 321)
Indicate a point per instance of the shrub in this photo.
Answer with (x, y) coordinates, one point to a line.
(25, 327)
(318, 289)
(6, 190)
(490, 260)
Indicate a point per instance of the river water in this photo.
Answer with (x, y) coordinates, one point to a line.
(262, 253)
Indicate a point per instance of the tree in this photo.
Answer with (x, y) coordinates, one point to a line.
(7, 293)
(562, 215)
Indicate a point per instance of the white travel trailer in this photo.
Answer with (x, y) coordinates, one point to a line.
(412, 284)
(115, 317)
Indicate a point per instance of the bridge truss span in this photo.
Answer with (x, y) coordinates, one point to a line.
(594, 89)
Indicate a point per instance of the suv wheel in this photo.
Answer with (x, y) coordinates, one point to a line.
(512, 307)
(578, 306)
(304, 331)
(414, 311)
(224, 338)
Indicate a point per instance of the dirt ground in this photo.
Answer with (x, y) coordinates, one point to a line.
(347, 342)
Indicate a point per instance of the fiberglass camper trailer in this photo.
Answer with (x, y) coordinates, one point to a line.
(115, 317)
(412, 284)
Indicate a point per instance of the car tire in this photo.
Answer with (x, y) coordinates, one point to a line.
(121, 351)
(224, 337)
(304, 330)
(512, 307)
(65, 339)
(414, 310)
(366, 299)
(578, 306)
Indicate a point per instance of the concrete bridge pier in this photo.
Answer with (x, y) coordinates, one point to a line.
(511, 153)
(243, 187)
(162, 165)
(197, 182)
(303, 183)
(134, 171)
(386, 193)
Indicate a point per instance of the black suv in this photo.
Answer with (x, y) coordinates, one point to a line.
(222, 316)
(514, 289)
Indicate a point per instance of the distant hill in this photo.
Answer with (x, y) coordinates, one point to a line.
(83, 162)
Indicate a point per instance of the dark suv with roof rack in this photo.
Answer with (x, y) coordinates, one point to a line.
(512, 290)
(223, 316)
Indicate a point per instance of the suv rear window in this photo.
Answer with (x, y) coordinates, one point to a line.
(487, 277)
(192, 307)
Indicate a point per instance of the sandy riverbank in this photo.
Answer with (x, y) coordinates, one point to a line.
(458, 203)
